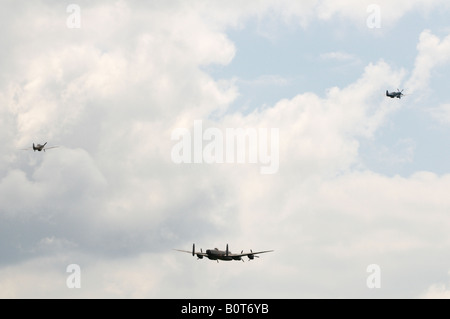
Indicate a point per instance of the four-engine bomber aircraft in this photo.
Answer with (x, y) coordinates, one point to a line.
(39, 147)
(216, 254)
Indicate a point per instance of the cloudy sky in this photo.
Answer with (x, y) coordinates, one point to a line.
(360, 181)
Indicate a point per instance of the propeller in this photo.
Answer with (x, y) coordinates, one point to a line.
(251, 256)
(193, 252)
(240, 257)
(200, 256)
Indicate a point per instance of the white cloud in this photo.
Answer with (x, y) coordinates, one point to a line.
(235, 13)
(432, 52)
(112, 200)
(436, 291)
(359, 11)
(401, 152)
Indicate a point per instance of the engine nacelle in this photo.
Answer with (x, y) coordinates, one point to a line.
(199, 256)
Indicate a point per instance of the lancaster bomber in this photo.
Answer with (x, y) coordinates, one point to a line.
(216, 254)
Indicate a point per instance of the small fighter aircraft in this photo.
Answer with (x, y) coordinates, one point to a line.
(39, 147)
(397, 94)
(216, 254)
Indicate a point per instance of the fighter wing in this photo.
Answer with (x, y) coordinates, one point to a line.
(47, 148)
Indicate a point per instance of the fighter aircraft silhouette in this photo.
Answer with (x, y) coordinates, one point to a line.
(216, 254)
(397, 94)
(39, 147)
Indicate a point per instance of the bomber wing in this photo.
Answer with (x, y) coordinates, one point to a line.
(193, 253)
(199, 254)
(252, 254)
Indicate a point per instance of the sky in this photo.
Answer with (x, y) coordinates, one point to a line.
(146, 101)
